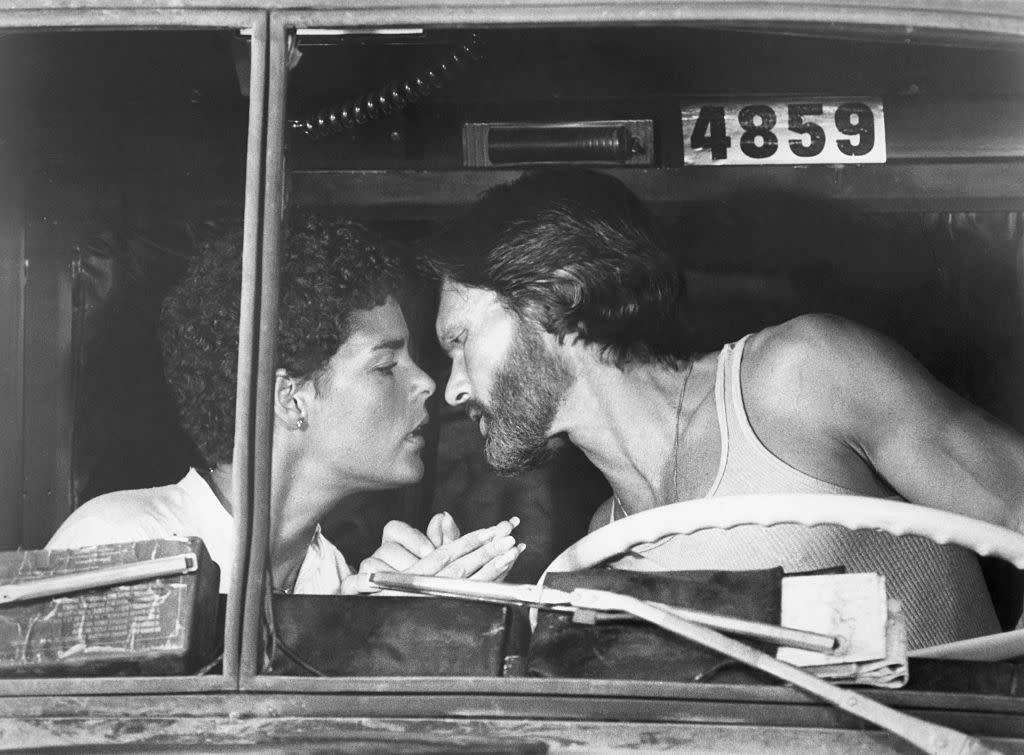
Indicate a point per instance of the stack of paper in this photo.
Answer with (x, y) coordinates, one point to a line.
(855, 608)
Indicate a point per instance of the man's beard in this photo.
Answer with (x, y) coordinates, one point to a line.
(528, 389)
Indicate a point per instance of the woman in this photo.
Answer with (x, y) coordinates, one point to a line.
(349, 411)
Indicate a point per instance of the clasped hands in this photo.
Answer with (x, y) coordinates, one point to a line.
(486, 554)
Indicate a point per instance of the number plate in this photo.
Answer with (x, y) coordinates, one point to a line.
(795, 132)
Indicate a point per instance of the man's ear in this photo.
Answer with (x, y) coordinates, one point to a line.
(289, 400)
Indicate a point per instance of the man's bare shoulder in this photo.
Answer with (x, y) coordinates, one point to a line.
(813, 366)
(796, 348)
(798, 339)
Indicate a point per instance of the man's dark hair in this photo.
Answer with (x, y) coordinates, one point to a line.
(577, 252)
(329, 270)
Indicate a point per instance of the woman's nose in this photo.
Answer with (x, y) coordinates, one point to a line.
(423, 383)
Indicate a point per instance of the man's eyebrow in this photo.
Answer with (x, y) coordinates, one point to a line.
(393, 344)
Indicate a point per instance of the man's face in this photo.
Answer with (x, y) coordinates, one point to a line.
(505, 375)
(366, 417)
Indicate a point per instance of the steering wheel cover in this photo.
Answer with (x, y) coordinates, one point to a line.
(852, 512)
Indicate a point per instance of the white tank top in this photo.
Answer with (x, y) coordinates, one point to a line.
(943, 592)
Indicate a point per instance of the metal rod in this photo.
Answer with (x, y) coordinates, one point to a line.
(559, 599)
(273, 204)
(241, 466)
(63, 584)
(331, 13)
(776, 635)
(102, 16)
(929, 737)
(466, 588)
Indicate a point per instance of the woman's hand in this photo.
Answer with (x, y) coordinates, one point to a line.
(485, 554)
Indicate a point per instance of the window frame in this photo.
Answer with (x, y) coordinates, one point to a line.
(129, 19)
(503, 699)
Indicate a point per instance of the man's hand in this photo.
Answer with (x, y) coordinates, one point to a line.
(485, 554)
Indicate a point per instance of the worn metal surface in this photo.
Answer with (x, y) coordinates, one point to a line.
(440, 734)
(906, 17)
(12, 691)
(248, 330)
(471, 697)
(397, 735)
(58, 15)
(736, 707)
(700, 716)
(262, 404)
(474, 697)
(156, 626)
(901, 20)
(956, 22)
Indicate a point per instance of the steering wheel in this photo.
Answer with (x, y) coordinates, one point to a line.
(643, 531)
(849, 511)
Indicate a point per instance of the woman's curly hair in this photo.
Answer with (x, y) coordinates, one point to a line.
(329, 269)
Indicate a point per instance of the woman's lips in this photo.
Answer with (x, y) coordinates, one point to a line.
(416, 435)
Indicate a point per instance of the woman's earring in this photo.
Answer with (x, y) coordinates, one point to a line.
(300, 423)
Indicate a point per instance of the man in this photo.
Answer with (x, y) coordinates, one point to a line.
(560, 311)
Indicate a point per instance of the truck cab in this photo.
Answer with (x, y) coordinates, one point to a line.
(802, 157)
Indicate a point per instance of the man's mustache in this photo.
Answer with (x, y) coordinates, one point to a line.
(475, 410)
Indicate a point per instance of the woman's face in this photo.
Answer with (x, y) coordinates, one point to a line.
(365, 421)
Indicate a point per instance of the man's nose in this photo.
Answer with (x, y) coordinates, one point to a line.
(457, 390)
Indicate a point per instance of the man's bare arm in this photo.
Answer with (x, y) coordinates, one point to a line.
(857, 395)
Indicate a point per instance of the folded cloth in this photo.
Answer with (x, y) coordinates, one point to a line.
(365, 635)
(628, 649)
